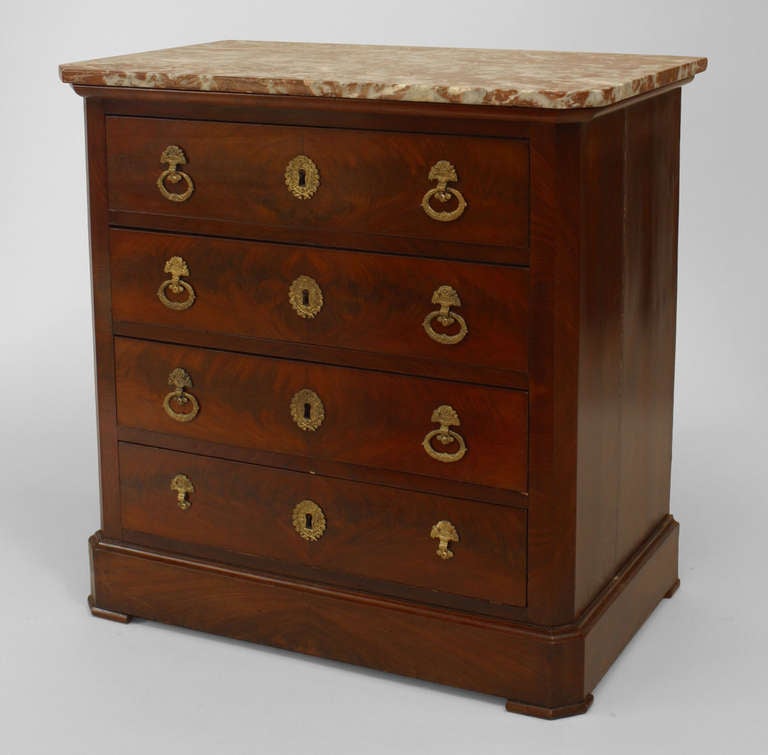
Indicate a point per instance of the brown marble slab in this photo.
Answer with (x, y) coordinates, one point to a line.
(519, 78)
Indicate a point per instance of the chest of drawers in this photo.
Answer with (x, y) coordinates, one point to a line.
(385, 366)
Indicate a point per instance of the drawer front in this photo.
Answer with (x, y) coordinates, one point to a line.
(365, 182)
(354, 528)
(368, 302)
(359, 417)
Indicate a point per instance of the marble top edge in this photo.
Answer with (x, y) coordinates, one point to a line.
(472, 76)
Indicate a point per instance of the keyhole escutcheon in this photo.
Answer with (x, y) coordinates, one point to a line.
(308, 520)
(307, 410)
(302, 177)
(305, 296)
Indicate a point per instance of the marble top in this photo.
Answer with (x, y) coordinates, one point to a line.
(516, 78)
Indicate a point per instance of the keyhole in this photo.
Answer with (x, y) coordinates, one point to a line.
(308, 521)
(307, 411)
(305, 297)
(302, 177)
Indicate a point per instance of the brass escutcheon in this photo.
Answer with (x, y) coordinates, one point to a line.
(447, 417)
(446, 297)
(443, 172)
(307, 410)
(308, 520)
(302, 177)
(174, 156)
(176, 267)
(305, 296)
(180, 379)
(182, 486)
(446, 533)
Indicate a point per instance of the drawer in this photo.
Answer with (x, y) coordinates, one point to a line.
(335, 526)
(352, 300)
(360, 417)
(471, 190)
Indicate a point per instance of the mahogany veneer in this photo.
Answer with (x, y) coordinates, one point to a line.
(372, 419)
(375, 175)
(519, 566)
(242, 290)
(241, 508)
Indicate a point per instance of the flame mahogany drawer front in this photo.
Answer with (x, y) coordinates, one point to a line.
(358, 417)
(365, 302)
(365, 182)
(333, 526)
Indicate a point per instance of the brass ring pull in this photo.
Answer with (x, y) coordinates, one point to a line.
(307, 410)
(305, 296)
(176, 267)
(308, 520)
(446, 533)
(447, 417)
(179, 397)
(446, 297)
(174, 156)
(182, 486)
(443, 172)
(302, 177)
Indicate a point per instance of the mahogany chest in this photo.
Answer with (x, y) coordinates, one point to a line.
(385, 352)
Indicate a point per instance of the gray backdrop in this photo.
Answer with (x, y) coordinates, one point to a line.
(692, 680)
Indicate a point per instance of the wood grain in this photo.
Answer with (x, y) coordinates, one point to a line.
(627, 335)
(371, 302)
(371, 183)
(371, 532)
(327, 467)
(650, 301)
(567, 413)
(371, 419)
(104, 354)
(642, 582)
(542, 671)
(555, 224)
(600, 354)
(441, 645)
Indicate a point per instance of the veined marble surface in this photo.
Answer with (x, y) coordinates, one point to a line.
(516, 78)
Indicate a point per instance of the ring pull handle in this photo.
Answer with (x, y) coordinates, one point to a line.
(180, 398)
(447, 417)
(173, 156)
(182, 486)
(446, 534)
(307, 410)
(445, 297)
(308, 520)
(176, 267)
(302, 177)
(444, 173)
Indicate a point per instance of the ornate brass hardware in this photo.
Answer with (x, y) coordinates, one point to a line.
(302, 177)
(307, 410)
(174, 156)
(447, 417)
(443, 172)
(446, 533)
(180, 380)
(305, 296)
(308, 520)
(176, 267)
(182, 486)
(446, 297)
